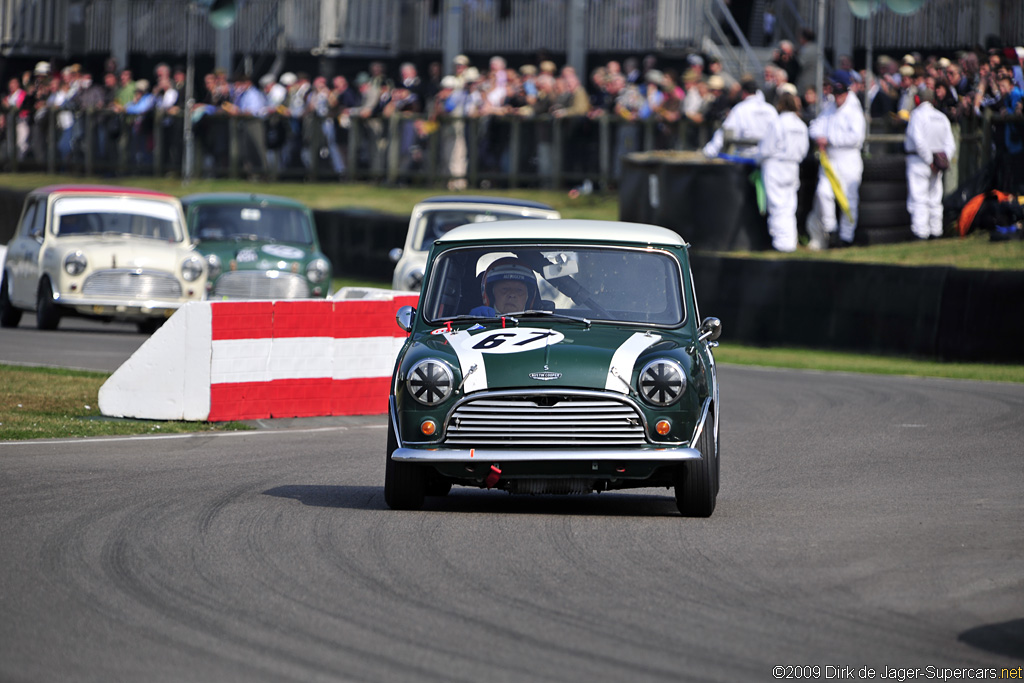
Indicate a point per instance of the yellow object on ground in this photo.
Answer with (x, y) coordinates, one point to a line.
(837, 187)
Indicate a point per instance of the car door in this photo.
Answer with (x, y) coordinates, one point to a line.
(23, 255)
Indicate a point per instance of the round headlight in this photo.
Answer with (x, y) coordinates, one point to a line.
(430, 382)
(414, 280)
(213, 264)
(662, 382)
(318, 270)
(75, 263)
(192, 268)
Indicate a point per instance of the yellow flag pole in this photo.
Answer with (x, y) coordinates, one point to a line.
(837, 186)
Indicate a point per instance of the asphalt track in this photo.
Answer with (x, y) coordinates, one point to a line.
(863, 522)
(79, 343)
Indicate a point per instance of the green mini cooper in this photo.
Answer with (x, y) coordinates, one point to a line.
(257, 246)
(560, 356)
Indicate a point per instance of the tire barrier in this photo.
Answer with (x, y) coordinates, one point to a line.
(11, 203)
(950, 314)
(932, 312)
(712, 204)
(357, 241)
(247, 360)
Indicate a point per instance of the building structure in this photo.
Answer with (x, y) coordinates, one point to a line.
(126, 30)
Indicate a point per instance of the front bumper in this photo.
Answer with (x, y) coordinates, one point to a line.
(480, 455)
(128, 309)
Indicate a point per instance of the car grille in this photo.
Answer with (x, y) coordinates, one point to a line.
(132, 284)
(256, 285)
(545, 419)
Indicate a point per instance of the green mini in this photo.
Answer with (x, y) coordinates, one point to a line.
(555, 357)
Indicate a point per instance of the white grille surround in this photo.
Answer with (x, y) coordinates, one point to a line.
(136, 285)
(556, 418)
(257, 284)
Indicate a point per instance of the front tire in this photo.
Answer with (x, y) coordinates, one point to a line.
(9, 315)
(47, 312)
(697, 481)
(405, 485)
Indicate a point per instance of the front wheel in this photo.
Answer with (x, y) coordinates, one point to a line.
(9, 315)
(697, 480)
(405, 485)
(47, 312)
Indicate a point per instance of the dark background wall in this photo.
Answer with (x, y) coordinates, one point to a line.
(932, 312)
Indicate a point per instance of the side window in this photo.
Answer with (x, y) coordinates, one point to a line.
(39, 220)
(28, 219)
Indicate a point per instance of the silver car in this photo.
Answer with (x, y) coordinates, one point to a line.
(435, 216)
(112, 253)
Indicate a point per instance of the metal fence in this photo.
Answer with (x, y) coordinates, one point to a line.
(367, 27)
(507, 151)
(938, 24)
(29, 26)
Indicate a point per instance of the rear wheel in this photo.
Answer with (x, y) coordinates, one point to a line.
(9, 315)
(47, 312)
(405, 484)
(697, 480)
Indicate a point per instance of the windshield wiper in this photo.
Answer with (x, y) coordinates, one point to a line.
(552, 314)
(251, 237)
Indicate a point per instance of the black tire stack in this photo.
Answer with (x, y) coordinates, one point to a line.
(883, 217)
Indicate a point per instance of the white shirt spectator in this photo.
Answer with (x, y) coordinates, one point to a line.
(786, 139)
(748, 120)
(843, 129)
(781, 150)
(928, 132)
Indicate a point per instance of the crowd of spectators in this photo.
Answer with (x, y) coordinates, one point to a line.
(293, 120)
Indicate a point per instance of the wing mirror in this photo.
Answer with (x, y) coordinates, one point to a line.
(395, 255)
(404, 317)
(710, 329)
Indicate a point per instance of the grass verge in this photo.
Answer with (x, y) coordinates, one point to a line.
(973, 252)
(807, 359)
(47, 403)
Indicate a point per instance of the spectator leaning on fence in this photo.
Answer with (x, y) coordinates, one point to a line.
(14, 113)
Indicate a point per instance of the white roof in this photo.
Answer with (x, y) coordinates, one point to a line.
(565, 229)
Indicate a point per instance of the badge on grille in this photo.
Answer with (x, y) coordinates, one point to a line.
(545, 376)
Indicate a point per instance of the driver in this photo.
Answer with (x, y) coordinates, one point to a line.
(507, 286)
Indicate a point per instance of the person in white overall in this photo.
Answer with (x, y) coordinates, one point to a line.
(928, 134)
(749, 120)
(838, 131)
(781, 151)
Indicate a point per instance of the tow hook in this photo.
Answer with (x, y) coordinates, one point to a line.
(493, 476)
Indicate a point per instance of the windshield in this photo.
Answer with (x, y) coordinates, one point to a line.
(118, 216)
(597, 283)
(433, 224)
(268, 223)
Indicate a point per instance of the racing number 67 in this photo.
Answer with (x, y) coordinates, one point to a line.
(498, 338)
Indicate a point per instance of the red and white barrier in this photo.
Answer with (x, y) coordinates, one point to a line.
(261, 359)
